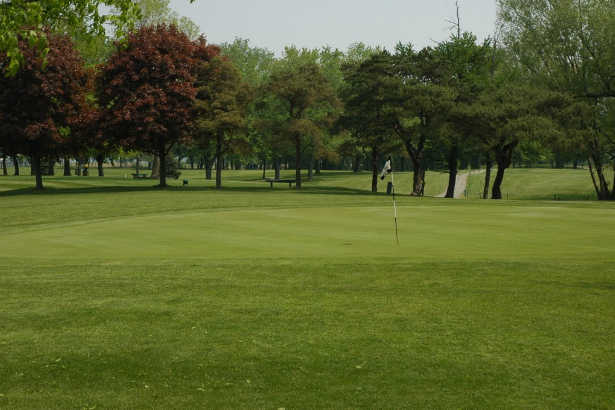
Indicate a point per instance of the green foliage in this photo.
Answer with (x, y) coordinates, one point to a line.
(570, 46)
(367, 97)
(158, 12)
(254, 63)
(306, 102)
(222, 99)
(26, 19)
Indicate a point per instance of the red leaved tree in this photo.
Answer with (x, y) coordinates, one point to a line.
(37, 105)
(146, 91)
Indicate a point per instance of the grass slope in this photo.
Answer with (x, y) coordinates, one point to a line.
(118, 295)
(540, 184)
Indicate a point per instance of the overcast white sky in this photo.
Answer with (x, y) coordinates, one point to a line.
(337, 23)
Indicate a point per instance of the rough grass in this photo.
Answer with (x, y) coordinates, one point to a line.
(122, 178)
(118, 295)
(540, 184)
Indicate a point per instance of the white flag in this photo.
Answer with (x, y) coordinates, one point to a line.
(386, 170)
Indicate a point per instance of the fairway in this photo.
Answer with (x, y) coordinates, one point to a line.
(116, 295)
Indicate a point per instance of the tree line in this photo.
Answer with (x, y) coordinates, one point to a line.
(541, 87)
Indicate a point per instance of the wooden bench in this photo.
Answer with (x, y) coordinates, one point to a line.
(139, 176)
(290, 182)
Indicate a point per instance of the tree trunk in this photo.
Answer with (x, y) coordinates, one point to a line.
(138, 165)
(298, 162)
(36, 167)
(374, 171)
(67, 172)
(15, 165)
(162, 158)
(78, 167)
(601, 186)
(155, 168)
(311, 167)
(51, 166)
(559, 160)
(452, 171)
(220, 161)
(208, 164)
(416, 155)
(356, 165)
(487, 179)
(121, 161)
(318, 165)
(264, 167)
(496, 192)
(100, 159)
(418, 177)
(5, 171)
(276, 166)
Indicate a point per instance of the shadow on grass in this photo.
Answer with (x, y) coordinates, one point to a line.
(124, 189)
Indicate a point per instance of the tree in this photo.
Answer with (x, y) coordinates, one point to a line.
(41, 102)
(511, 113)
(347, 146)
(146, 91)
(419, 105)
(221, 109)
(464, 66)
(255, 65)
(569, 45)
(300, 91)
(85, 138)
(367, 102)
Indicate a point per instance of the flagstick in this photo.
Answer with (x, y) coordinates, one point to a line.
(394, 205)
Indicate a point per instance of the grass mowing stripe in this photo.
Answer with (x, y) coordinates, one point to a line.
(323, 335)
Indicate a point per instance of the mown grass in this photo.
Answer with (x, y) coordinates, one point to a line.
(125, 296)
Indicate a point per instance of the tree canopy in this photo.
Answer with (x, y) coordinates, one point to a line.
(147, 90)
(40, 104)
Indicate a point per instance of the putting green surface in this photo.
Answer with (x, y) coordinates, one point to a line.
(127, 297)
(430, 231)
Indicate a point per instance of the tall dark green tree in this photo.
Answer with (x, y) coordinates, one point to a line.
(367, 101)
(509, 114)
(419, 105)
(464, 66)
